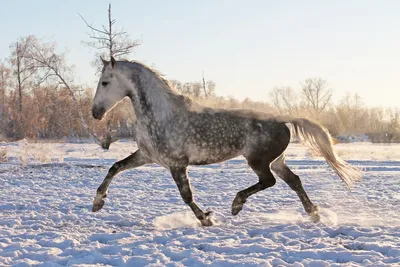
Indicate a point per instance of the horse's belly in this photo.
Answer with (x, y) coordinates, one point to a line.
(199, 156)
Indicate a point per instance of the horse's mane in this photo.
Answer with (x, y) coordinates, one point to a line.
(178, 99)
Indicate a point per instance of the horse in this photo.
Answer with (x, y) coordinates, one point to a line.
(175, 132)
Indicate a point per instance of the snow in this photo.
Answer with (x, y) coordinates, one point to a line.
(47, 191)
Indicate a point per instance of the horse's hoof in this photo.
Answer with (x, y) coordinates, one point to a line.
(98, 206)
(206, 222)
(205, 219)
(315, 217)
(237, 205)
(236, 208)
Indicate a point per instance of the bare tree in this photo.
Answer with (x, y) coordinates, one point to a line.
(204, 86)
(4, 83)
(349, 111)
(108, 41)
(23, 70)
(316, 94)
(176, 85)
(208, 87)
(54, 69)
(394, 120)
(196, 89)
(193, 89)
(284, 99)
(211, 88)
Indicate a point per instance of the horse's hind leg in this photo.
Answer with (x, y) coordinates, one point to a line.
(265, 180)
(282, 170)
(182, 181)
(133, 161)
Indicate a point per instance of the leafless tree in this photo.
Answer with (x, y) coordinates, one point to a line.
(193, 89)
(108, 41)
(316, 94)
(349, 111)
(284, 99)
(394, 120)
(176, 85)
(208, 87)
(54, 70)
(23, 70)
(4, 83)
(211, 88)
(204, 89)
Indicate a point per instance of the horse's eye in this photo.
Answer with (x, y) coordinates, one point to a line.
(104, 83)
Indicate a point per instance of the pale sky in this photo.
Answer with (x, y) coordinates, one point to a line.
(246, 47)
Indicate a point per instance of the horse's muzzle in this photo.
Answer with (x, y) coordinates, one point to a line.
(98, 112)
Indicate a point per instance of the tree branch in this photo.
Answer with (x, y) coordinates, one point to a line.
(91, 27)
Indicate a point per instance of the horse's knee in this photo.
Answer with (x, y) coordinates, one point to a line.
(279, 167)
(114, 168)
(287, 175)
(265, 183)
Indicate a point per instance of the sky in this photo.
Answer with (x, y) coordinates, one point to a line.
(246, 47)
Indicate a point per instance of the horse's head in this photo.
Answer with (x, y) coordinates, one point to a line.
(113, 86)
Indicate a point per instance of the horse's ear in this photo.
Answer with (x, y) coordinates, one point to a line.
(105, 62)
(112, 61)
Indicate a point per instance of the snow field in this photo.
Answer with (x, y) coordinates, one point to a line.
(47, 192)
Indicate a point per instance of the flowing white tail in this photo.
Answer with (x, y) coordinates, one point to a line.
(319, 140)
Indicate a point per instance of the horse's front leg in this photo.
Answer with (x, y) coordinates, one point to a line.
(133, 161)
(182, 181)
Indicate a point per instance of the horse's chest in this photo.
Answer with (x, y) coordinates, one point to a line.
(152, 142)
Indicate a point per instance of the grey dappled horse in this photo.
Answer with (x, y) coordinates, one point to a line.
(175, 132)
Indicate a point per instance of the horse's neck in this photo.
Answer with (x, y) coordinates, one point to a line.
(151, 101)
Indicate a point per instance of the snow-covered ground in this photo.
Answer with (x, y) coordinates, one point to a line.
(47, 191)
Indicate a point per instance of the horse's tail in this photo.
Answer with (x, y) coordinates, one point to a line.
(319, 140)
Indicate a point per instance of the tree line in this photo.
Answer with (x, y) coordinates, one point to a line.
(39, 99)
(313, 99)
